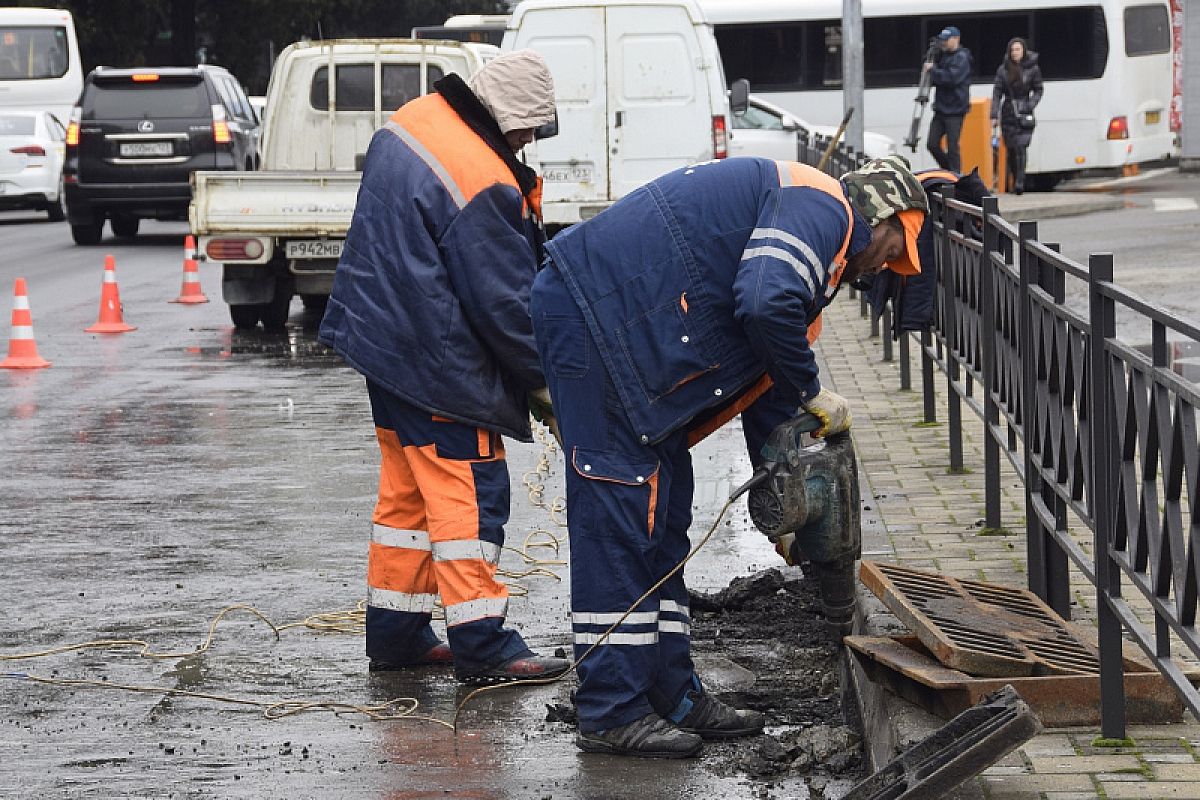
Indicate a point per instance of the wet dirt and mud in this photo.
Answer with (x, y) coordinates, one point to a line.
(154, 478)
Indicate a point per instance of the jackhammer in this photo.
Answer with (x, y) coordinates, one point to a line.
(805, 498)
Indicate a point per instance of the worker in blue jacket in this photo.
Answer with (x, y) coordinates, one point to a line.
(691, 300)
(430, 303)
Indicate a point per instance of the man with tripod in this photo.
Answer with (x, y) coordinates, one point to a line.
(950, 74)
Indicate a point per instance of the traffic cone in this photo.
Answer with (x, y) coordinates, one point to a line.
(22, 349)
(191, 291)
(110, 320)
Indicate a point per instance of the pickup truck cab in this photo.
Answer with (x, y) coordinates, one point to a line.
(279, 231)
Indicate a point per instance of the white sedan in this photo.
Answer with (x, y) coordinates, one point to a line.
(32, 150)
(768, 131)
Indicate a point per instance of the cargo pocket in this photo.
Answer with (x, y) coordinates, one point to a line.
(455, 441)
(663, 351)
(619, 494)
(564, 340)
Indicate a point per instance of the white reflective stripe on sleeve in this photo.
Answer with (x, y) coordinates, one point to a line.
(398, 537)
(785, 173)
(618, 638)
(472, 610)
(431, 160)
(792, 241)
(673, 607)
(783, 255)
(401, 601)
(636, 618)
(465, 549)
(673, 626)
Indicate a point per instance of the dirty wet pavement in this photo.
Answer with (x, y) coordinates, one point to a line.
(156, 477)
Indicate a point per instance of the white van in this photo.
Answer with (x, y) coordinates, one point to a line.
(640, 91)
(40, 68)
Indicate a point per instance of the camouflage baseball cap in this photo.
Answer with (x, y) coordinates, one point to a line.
(886, 187)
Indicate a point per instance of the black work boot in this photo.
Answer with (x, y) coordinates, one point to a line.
(649, 737)
(521, 668)
(712, 719)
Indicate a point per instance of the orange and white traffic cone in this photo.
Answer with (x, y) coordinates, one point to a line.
(22, 349)
(191, 291)
(111, 320)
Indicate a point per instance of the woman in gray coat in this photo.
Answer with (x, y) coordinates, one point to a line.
(1015, 94)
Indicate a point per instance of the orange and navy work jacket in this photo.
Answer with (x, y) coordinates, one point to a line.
(431, 296)
(701, 288)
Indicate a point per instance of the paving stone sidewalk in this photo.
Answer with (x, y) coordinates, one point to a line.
(934, 520)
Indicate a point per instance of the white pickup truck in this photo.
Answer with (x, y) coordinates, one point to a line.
(279, 232)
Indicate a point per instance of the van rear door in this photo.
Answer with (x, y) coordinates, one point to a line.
(574, 164)
(658, 100)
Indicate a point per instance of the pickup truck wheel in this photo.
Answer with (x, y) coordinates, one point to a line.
(125, 227)
(245, 316)
(274, 314)
(88, 233)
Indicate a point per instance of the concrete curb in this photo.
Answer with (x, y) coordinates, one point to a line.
(1016, 208)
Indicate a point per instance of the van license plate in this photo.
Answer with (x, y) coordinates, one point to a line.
(141, 149)
(315, 248)
(1152, 117)
(567, 173)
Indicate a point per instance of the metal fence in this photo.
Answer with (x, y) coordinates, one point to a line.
(1102, 432)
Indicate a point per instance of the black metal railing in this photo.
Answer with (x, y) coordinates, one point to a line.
(1102, 432)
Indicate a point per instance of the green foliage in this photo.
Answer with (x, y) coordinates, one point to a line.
(241, 35)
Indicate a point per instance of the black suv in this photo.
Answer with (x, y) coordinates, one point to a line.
(137, 135)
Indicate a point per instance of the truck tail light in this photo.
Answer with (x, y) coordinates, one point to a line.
(73, 127)
(233, 249)
(720, 137)
(221, 133)
(29, 150)
(1118, 128)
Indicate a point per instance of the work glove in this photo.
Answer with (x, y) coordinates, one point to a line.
(543, 411)
(833, 411)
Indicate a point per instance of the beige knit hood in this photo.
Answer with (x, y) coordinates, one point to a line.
(516, 88)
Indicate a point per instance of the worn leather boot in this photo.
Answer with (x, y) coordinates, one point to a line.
(649, 737)
(437, 656)
(521, 668)
(712, 719)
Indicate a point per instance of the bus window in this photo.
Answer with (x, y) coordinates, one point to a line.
(1147, 30)
(1075, 42)
(770, 56)
(33, 53)
(898, 64)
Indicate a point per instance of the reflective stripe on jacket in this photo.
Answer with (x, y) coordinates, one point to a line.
(431, 296)
(702, 281)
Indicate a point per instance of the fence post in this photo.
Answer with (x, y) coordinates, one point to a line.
(987, 334)
(927, 388)
(950, 338)
(1102, 424)
(886, 334)
(905, 365)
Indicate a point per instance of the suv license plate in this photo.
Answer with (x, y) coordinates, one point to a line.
(315, 248)
(139, 149)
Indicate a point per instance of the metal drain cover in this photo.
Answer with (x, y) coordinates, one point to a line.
(982, 629)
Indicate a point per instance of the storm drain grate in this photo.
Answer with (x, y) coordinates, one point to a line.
(981, 629)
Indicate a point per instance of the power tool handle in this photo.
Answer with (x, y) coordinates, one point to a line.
(807, 422)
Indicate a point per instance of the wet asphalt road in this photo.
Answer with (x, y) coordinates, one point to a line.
(155, 477)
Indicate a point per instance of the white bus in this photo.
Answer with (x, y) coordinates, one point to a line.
(39, 61)
(1106, 66)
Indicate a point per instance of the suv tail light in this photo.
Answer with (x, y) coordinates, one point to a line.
(73, 127)
(720, 137)
(221, 133)
(29, 150)
(1118, 128)
(233, 249)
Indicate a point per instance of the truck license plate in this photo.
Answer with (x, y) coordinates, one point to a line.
(315, 248)
(140, 149)
(567, 173)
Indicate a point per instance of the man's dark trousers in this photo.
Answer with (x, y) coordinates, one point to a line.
(950, 126)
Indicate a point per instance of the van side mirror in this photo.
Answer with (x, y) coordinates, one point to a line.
(548, 130)
(739, 97)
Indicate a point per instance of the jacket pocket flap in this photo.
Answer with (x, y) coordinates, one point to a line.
(602, 465)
